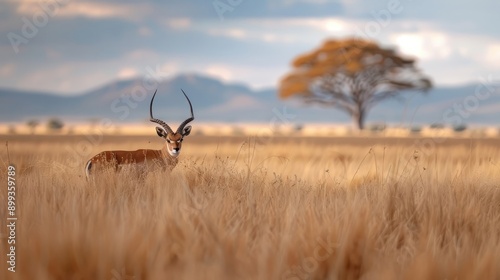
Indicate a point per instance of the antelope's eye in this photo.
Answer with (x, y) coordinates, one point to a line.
(179, 141)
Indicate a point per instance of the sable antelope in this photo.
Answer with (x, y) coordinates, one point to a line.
(142, 159)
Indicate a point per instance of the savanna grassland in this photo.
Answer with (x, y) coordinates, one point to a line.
(246, 208)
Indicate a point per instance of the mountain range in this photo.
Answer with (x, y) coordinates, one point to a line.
(216, 101)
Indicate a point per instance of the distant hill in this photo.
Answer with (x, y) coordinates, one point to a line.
(216, 101)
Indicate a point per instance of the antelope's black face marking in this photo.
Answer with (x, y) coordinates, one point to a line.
(174, 141)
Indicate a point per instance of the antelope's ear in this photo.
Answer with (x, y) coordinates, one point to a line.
(161, 132)
(186, 130)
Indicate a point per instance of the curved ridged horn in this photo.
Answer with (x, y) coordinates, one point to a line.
(160, 122)
(184, 123)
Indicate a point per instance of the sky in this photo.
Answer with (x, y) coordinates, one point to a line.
(71, 46)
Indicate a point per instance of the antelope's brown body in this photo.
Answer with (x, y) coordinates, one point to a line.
(145, 160)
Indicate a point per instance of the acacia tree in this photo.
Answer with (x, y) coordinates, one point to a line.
(351, 75)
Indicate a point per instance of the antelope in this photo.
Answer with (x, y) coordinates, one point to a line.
(144, 158)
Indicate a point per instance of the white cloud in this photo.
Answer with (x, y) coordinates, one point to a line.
(222, 72)
(230, 32)
(127, 73)
(336, 24)
(86, 9)
(7, 70)
(255, 34)
(170, 67)
(449, 57)
(178, 23)
(141, 54)
(424, 44)
(359, 7)
(69, 77)
(144, 31)
(253, 76)
(492, 55)
(236, 103)
(294, 2)
(52, 53)
(63, 74)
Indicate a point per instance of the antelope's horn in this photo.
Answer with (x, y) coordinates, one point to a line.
(184, 123)
(152, 119)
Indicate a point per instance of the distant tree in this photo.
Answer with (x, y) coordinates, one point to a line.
(298, 127)
(459, 127)
(436, 126)
(351, 75)
(377, 127)
(415, 129)
(32, 124)
(55, 125)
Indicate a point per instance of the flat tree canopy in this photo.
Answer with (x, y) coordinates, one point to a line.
(351, 75)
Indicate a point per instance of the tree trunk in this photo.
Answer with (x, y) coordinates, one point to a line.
(359, 119)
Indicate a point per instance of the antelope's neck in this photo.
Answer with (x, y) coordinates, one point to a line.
(167, 157)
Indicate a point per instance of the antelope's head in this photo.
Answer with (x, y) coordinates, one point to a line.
(173, 139)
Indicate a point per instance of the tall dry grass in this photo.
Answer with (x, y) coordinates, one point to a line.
(283, 209)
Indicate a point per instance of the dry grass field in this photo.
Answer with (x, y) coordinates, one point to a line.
(246, 208)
